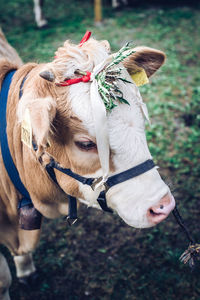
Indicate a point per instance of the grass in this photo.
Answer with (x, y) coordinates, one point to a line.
(100, 257)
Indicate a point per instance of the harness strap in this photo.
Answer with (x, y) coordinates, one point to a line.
(21, 87)
(130, 173)
(69, 172)
(29, 217)
(7, 158)
(72, 211)
(72, 200)
(111, 181)
(103, 203)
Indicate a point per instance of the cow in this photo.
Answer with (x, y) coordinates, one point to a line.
(59, 105)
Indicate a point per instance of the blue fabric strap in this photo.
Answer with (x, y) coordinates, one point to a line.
(7, 158)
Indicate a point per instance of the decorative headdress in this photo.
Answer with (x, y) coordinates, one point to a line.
(104, 95)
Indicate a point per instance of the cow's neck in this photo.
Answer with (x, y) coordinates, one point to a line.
(49, 200)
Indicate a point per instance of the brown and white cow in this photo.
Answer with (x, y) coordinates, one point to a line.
(62, 117)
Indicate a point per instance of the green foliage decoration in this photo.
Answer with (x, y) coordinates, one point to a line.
(108, 77)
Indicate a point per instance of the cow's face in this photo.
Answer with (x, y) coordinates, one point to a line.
(142, 201)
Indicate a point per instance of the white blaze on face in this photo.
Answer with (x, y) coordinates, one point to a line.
(131, 199)
(126, 128)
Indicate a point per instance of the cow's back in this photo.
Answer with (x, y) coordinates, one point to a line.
(7, 51)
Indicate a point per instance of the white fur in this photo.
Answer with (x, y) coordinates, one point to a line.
(24, 265)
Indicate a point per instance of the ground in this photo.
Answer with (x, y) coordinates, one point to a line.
(100, 257)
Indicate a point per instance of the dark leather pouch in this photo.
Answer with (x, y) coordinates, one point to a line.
(29, 218)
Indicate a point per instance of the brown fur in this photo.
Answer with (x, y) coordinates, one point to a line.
(48, 199)
(7, 51)
(147, 58)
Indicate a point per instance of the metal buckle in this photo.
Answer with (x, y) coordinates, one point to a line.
(70, 221)
(96, 181)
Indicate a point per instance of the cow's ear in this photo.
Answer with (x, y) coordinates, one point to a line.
(146, 58)
(41, 113)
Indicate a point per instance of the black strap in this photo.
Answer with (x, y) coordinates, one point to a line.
(103, 203)
(21, 87)
(69, 172)
(111, 181)
(72, 208)
(130, 173)
(51, 173)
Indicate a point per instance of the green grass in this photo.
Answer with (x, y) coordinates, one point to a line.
(100, 257)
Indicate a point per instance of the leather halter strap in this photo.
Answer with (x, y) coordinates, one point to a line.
(111, 181)
(130, 173)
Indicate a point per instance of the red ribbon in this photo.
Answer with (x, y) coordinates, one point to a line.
(85, 38)
(67, 82)
(84, 78)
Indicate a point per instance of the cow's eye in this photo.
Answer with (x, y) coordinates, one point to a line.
(86, 145)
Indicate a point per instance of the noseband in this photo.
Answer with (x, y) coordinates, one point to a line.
(92, 182)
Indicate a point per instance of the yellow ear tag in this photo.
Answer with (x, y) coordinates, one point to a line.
(140, 77)
(26, 129)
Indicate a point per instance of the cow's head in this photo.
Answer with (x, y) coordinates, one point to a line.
(65, 118)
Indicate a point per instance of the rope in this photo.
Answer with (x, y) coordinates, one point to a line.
(183, 226)
(192, 254)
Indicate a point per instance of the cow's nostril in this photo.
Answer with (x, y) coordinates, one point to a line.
(155, 216)
(159, 212)
(153, 213)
